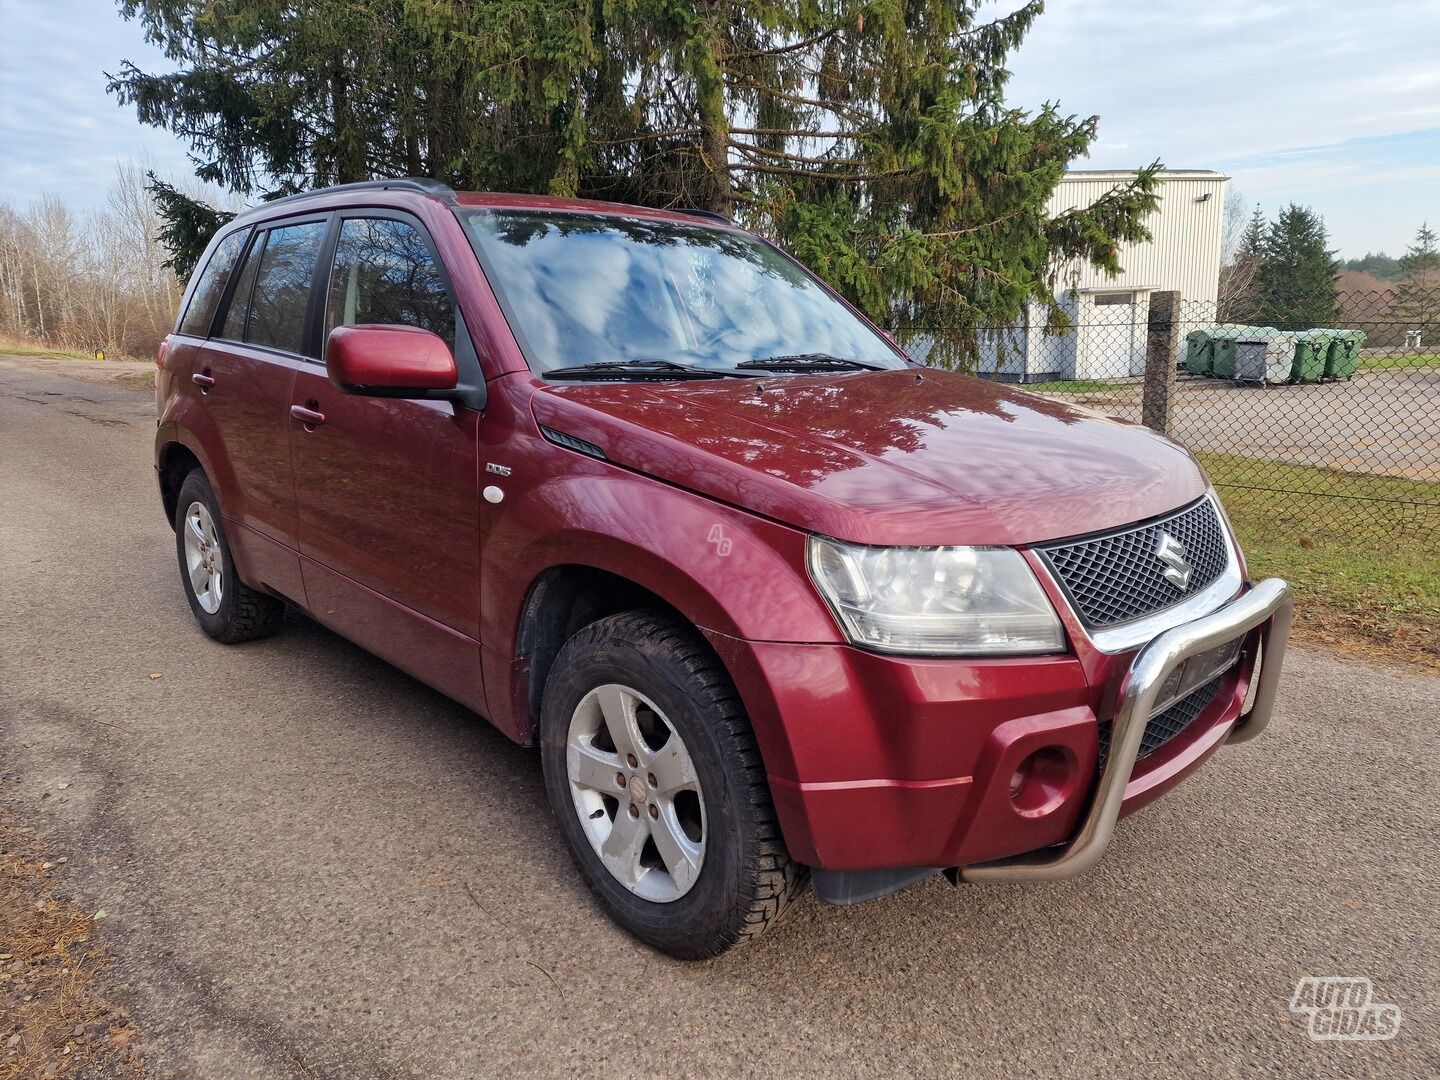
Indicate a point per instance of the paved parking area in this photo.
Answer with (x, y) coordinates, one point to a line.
(316, 867)
(1385, 422)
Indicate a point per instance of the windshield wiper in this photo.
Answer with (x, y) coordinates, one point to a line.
(809, 362)
(635, 369)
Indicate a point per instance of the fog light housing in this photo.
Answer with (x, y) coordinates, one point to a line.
(1042, 781)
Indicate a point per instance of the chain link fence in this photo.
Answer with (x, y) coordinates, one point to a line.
(1333, 426)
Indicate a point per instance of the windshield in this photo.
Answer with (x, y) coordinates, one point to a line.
(585, 289)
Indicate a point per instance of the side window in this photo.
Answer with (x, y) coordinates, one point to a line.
(211, 286)
(234, 326)
(282, 286)
(384, 273)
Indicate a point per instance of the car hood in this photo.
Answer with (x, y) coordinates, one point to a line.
(893, 457)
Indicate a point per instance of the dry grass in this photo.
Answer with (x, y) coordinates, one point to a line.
(16, 347)
(137, 380)
(54, 1022)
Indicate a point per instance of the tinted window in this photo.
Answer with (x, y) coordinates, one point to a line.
(211, 286)
(384, 273)
(282, 286)
(234, 325)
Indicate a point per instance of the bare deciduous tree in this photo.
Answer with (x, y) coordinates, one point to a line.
(95, 283)
(1239, 259)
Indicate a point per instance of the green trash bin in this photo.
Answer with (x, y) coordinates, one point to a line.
(1200, 351)
(1312, 353)
(1344, 355)
(1222, 352)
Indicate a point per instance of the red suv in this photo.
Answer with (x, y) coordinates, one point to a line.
(774, 602)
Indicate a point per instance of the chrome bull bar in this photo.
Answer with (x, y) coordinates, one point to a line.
(1270, 604)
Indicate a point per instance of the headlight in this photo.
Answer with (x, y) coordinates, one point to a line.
(950, 601)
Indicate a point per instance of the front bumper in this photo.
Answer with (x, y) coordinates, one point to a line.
(1268, 606)
(884, 769)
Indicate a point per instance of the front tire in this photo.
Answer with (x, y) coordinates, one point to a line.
(652, 770)
(225, 607)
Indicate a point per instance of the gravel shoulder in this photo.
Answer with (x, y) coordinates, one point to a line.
(313, 866)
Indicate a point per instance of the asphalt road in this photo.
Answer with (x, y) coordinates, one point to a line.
(1385, 422)
(316, 867)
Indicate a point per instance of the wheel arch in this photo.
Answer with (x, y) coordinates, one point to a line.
(174, 462)
(560, 601)
(591, 544)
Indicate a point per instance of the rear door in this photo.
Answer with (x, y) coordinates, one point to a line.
(206, 299)
(388, 488)
(245, 373)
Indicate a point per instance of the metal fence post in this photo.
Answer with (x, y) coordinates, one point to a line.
(1162, 351)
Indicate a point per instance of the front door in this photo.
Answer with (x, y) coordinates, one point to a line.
(388, 488)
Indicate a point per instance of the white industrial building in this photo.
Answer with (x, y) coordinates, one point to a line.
(1109, 313)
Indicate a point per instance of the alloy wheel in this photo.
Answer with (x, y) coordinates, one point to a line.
(635, 790)
(204, 561)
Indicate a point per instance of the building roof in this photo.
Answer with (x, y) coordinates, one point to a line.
(1165, 174)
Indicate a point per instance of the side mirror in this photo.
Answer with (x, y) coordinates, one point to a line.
(390, 361)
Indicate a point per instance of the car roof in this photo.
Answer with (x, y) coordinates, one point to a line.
(354, 194)
(491, 200)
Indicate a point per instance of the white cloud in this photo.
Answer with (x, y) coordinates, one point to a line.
(1230, 85)
(60, 131)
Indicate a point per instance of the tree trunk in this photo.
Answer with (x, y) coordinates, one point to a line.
(349, 164)
(709, 64)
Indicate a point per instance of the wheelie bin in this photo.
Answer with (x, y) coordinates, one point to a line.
(1200, 351)
(1312, 352)
(1222, 351)
(1264, 356)
(1344, 355)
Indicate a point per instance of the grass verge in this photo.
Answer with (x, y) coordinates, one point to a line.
(1071, 386)
(53, 1021)
(1376, 362)
(15, 349)
(1361, 556)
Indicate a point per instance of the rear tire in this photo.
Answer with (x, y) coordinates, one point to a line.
(703, 801)
(225, 607)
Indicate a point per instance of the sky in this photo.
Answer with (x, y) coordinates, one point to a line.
(1328, 103)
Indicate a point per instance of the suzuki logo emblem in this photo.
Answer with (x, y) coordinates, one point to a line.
(1172, 553)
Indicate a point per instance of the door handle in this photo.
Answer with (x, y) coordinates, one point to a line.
(308, 416)
(202, 380)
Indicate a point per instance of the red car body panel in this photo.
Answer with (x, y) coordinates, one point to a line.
(892, 457)
(893, 762)
(374, 522)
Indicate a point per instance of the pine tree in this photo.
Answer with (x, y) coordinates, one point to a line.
(1297, 277)
(186, 225)
(1417, 298)
(1252, 241)
(1377, 263)
(873, 140)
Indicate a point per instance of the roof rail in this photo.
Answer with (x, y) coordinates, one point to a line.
(708, 215)
(402, 183)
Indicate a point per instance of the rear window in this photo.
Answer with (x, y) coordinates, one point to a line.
(211, 287)
(233, 328)
(281, 296)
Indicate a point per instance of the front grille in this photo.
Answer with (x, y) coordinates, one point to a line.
(1166, 725)
(1115, 578)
